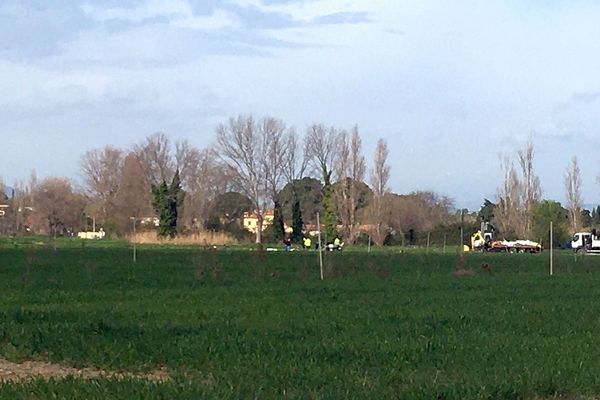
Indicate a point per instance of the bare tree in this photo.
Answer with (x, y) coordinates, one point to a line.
(155, 157)
(133, 197)
(357, 176)
(205, 179)
(274, 137)
(341, 189)
(321, 145)
(101, 171)
(58, 205)
(321, 150)
(350, 171)
(532, 191)
(243, 149)
(573, 193)
(380, 175)
(509, 214)
(22, 204)
(416, 212)
(294, 166)
(187, 159)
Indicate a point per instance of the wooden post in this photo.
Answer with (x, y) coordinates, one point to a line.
(444, 243)
(134, 239)
(369, 248)
(428, 235)
(320, 246)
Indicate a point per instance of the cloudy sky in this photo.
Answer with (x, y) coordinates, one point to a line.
(452, 86)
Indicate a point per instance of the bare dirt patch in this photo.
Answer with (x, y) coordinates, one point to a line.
(16, 372)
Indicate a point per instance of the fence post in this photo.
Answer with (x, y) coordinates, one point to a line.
(320, 246)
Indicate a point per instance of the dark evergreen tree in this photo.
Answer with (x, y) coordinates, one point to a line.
(278, 224)
(159, 203)
(486, 213)
(165, 200)
(329, 217)
(297, 223)
(596, 216)
(586, 218)
(175, 202)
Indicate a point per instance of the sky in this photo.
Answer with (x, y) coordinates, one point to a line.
(453, 87)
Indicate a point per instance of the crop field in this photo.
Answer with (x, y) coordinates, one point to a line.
(191, 323)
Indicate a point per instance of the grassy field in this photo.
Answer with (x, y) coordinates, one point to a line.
(249, 324)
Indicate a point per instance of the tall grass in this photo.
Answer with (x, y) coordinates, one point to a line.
(204, 238)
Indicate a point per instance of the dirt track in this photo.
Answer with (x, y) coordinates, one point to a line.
(16, 372)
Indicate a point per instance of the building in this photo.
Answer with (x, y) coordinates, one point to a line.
(250, 220)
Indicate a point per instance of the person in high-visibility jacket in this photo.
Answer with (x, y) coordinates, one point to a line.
(337, 242)
(307, 243)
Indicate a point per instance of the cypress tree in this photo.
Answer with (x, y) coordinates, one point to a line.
(595, 216)
(278, 224)
(165, 200)
(297, 223)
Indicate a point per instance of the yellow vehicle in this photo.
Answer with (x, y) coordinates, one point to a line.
(483, 241)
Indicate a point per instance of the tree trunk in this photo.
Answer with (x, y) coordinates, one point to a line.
(259, 225)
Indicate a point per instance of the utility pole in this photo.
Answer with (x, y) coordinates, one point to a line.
(320, 246)
(428, 236)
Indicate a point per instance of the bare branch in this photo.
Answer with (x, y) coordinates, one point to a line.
(572, 182)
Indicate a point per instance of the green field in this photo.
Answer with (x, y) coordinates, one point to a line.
(248, 324)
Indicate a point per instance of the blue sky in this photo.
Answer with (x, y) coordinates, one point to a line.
(452, 86)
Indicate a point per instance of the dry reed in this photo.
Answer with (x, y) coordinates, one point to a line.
(201, 238)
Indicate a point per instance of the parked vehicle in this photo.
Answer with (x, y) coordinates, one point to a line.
(586, 242)
(483, 241)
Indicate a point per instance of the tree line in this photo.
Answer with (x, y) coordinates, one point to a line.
(262, 165)
(521, 211)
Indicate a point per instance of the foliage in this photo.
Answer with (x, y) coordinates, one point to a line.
(278, 224)
(542, 214)
(165, 200)
(361, 196)
(586, 218)
(226, 213)
(307, 191)
(297, 223)
(486, 213)
(329, 216)
(595, 217)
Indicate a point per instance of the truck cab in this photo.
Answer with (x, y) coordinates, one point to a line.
(586, 242)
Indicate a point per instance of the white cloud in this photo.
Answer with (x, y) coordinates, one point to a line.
(463, 82)
(220, 19)
(307, 11)
(147, 10)
(178, 13)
